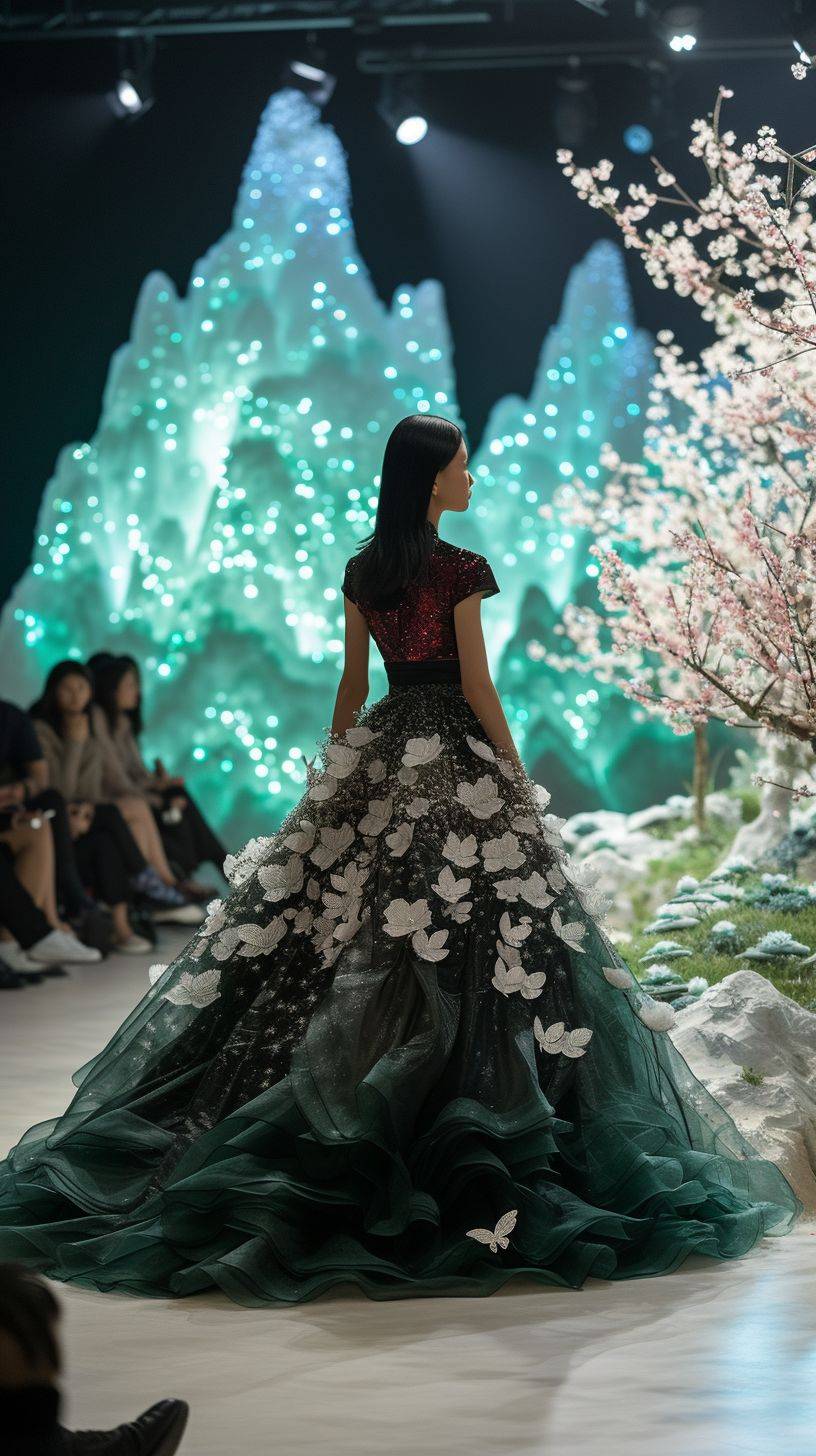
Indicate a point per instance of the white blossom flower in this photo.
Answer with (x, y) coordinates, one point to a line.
(399, 840)
(341, 761)
(378, 816)
(481, 798)
(656, 1015)
(461, 852)
(557, 1041)
(198, 991)
(324, 789)
(359, 735)
(352, 879)
(482, 750)
(502, 854)
(449, 888)
(515, 934)
(618, 976)
(333, 843)
(419, 751)
(258, 940)
(402, 918)
(279, 881)
(571, 933)
(418, 807)
(302, 839)
(430, 947)
(407, 776)
(376, 771)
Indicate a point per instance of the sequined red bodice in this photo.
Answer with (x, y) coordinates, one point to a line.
(420, 627)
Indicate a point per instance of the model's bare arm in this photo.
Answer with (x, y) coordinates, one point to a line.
(477, 684)
(353, 689)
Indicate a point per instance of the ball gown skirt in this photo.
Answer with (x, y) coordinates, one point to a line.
(401, 1055)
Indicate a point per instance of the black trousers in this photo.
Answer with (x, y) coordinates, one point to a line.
(69, 884)
(18, 913)
(108, 856)
(191, 842)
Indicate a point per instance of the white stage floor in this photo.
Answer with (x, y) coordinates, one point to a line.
(710, 1359)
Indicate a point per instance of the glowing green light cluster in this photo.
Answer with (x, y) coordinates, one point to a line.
(205, 527)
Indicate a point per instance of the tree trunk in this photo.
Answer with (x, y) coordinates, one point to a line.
(700, 779)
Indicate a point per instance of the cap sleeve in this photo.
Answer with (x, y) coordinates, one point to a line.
(347, 588)
(474, 575)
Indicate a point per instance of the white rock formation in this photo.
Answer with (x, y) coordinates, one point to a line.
(745, 1022)
(784, 761)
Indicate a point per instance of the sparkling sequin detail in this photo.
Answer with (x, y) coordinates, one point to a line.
(421, 626)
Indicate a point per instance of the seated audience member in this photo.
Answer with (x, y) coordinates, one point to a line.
(85, 768)
(30, 1397)
(109, 860)
(22, 766)
(29, 948)
(187, 837)
(27, 842)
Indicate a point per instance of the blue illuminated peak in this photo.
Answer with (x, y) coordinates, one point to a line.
(294, 153)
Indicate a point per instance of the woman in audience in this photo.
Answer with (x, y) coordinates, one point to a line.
(28, 808)
(83, 767)
(187, 837)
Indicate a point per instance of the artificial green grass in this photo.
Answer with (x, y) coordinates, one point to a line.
(699, 858)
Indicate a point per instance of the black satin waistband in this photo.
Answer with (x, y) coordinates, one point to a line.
(438, 670)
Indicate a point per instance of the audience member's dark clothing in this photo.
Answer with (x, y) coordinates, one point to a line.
(69, 885)
(108, 856)
(19, 744)
(18, 913)
(29, 1421)
(191, 842)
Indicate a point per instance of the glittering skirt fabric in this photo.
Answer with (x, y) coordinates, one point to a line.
(401, 1055)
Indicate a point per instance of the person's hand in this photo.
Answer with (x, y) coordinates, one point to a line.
(77, 727)
(21, 817)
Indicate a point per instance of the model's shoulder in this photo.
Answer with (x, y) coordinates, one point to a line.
(459, 554)
(460, 558)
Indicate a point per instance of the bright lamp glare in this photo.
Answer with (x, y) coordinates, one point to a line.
(309, 73)
(685, 42)
(412, 130)
(128, 95)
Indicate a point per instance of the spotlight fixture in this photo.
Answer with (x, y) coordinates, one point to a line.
(132, 94)
(680, 25)
(400, 106)
(308, 73)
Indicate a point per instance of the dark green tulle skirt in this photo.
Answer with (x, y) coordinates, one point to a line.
(401, 1055)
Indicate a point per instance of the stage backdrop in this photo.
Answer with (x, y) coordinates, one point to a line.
(205, 526)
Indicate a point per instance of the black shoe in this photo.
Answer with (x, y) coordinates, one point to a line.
(156, 1432)
(9, 980)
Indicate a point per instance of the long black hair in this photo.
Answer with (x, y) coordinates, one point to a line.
(399, 548)
(107, 672)
(46, 707)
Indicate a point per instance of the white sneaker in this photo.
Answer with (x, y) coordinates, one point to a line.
(178, 915)
(135, 945)
(57, 949)
(17, 959)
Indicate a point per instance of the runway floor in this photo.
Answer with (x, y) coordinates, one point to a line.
(710, 1359)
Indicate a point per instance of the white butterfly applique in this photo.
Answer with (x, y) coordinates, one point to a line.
(496, 1238)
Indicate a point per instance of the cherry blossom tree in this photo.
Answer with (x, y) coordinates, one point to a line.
(707, 548)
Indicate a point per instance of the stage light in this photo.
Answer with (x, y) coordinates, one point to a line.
(132, 94)
(400, 108)
(680, 25)
(309, 75)
(411, 130)
(638, 138)
(128, 93)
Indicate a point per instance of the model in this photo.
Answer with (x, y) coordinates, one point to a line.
(401, 1054)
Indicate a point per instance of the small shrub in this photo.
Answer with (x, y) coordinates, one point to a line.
(749, 1075)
